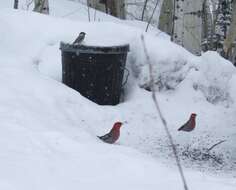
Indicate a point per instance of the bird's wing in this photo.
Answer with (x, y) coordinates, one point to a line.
(183, 126)
(105, 137)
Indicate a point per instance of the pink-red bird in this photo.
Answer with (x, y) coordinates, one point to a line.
(113, 135)
(190, 124)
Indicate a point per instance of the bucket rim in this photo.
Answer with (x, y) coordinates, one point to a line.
(117, 49)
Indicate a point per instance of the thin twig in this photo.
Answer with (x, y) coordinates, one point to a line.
(214, 145)
(161, 115)
(88, 10)
(95, 13)
(150, 19)
(215, 159)
(144, 8)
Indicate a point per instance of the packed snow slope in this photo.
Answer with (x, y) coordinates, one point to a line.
(48, 131)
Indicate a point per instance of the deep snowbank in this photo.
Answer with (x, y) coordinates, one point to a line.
(48, 133)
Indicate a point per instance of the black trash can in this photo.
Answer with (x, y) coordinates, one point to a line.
(95, 72)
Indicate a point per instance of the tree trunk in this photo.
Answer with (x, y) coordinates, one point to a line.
(193, 26)
(178, 30)
(16, 2)
(116, 8)
(113, 7)
(187, 28)
(41, 6)
(166, 16)
(209, 25)
(231, 36)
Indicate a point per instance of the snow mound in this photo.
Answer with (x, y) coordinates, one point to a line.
(49, 130)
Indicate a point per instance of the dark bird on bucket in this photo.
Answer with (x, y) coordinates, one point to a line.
(190, 124)
(113, 135)
(79, 39)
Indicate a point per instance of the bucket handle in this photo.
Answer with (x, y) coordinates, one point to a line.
(126, 78)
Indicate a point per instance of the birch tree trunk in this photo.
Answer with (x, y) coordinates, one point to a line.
(193, 26)
(41, 6)
(231, 36)
(178, 29)
(209, 25)
(187, 28)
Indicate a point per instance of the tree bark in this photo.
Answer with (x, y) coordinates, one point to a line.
(178, 30)
(187, 27)
(116, 8)
(166, 16)
(231, 36)
(41, 6)
(16, 3)
(113, 7)
(209, 25)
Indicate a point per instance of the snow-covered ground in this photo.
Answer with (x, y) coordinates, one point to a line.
(48, 131)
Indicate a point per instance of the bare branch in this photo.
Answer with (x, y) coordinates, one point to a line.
(161, 115)
(150, 19)
(88, 10)
(144, 8)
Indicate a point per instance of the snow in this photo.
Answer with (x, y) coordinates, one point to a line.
(48, 131)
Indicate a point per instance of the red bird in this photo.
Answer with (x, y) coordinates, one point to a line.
(190, 124)
(113, 135)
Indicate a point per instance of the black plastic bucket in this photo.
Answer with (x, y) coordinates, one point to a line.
(95, 72)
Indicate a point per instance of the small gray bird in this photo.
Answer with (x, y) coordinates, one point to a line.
(80, 38)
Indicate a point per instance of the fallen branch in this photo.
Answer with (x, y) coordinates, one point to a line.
(214, 145)
(216, 160)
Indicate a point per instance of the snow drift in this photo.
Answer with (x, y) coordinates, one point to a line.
(48, 131)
